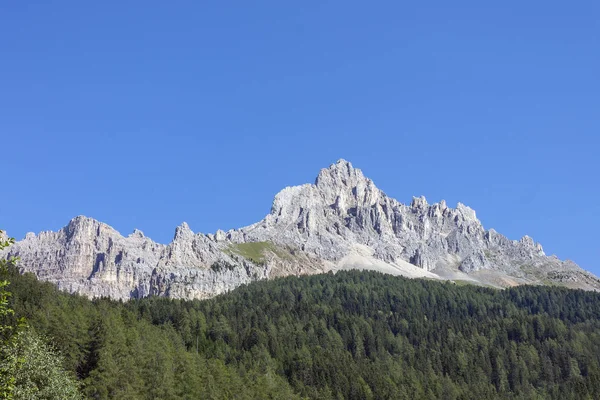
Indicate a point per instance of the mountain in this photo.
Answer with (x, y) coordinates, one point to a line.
(342, 221)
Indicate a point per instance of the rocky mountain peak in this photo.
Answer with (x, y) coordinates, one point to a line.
(82, 227)
(340, 174)
(183, 231)
(137, 234)
(341, 221)
(419, 202)
(467, 212)
(80, 221)
(528, 243)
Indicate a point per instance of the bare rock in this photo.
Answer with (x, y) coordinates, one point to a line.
(342, 219)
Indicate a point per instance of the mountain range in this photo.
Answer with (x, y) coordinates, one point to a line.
(342, 221)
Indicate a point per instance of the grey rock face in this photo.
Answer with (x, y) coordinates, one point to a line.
(311, 228)
(93, 259)
(343, 208)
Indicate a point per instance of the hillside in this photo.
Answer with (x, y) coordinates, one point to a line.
(352, 335)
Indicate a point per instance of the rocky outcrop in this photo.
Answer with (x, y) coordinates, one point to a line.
(344, 208)
(342, 219)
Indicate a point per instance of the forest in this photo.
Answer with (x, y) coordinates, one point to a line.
(349, 335)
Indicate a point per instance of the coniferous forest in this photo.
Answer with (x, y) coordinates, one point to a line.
(352, 335)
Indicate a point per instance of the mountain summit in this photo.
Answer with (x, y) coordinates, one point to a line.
(342, 221)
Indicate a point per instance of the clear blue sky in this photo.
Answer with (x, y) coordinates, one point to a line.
(149, 113)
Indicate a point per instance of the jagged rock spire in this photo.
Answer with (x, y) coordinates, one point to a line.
(183, 231)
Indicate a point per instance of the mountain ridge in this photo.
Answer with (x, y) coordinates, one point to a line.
(341, 221)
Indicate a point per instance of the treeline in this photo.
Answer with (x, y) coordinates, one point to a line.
(352, 335)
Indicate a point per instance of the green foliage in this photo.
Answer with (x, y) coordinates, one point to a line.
(39, 373)
(255, 251)
(461, 282)
(352, 335)
(29, 368)
(219, 266)
(8, 365)
(7, 337)
(149, 351)
(5, 310)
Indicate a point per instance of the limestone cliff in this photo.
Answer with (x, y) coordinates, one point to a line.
(341, 221)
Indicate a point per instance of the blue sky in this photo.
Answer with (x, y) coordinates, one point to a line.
(149, 113)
